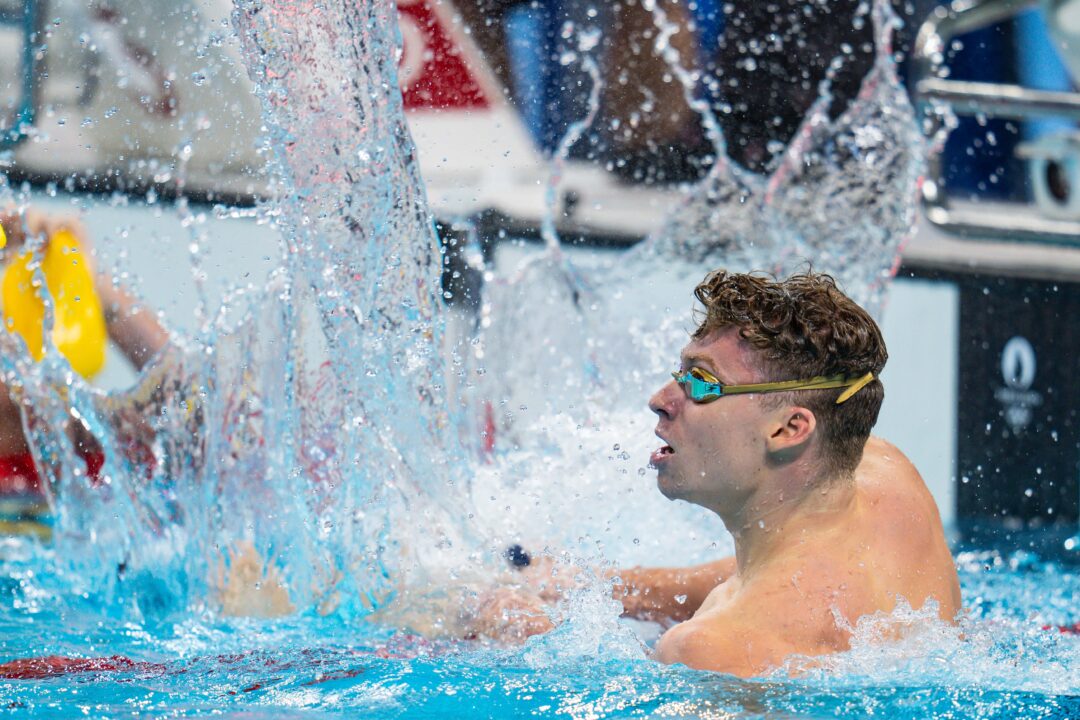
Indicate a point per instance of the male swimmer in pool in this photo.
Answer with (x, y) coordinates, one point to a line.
(767, 423)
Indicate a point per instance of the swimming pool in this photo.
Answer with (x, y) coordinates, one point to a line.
(1000, 662)
(310, 472)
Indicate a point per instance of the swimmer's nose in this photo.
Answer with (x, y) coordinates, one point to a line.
(664, 401)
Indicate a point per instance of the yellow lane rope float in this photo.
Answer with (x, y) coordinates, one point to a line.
(79, 323)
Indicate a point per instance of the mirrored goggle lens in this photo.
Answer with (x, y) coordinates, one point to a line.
(703, 389)
(699, 389)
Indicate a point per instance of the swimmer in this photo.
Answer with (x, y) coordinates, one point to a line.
(135, 332)
(767, 423)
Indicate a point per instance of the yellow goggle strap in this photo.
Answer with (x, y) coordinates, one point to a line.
(820, 382)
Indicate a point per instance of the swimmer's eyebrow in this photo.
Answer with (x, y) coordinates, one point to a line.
(703, 362)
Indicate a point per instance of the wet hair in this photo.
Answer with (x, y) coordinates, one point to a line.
(802, 327)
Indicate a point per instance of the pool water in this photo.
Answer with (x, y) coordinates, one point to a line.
(999, 662)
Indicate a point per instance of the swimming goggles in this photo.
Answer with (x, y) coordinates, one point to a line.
(702, 387)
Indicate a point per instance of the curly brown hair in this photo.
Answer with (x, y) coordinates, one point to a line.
(802, 327)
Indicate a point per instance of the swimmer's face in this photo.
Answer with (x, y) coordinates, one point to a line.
(712, 451)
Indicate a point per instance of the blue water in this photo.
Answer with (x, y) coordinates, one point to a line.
(999, 664)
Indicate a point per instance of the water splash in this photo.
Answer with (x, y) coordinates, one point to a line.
(305, 418)
(887, 647)
(547, 300)
(587, 40)
(310, 417)
(361, 249)
(843, 197)
(841, 200)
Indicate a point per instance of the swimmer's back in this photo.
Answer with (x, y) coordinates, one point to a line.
(900, 522)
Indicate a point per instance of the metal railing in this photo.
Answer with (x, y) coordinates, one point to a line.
(1025, 221)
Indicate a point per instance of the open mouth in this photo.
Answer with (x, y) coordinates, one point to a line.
(661, 454)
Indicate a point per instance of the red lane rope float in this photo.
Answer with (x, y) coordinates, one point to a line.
(1073, 629)
(18, 475)
(405, 646)
(40, 668)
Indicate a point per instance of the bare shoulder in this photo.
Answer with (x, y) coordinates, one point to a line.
(886, 473)
(705, 644)
(750, 634)
(889, 485)
(882, 456)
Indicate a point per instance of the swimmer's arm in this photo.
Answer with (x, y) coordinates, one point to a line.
(134, 328)
(669, 593)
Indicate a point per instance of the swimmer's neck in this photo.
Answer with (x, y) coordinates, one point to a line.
(782, 515)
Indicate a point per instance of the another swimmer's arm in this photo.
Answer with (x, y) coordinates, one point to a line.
(669, 593)
(134, 328)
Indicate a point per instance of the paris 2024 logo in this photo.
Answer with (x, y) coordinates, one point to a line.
(1017, 399)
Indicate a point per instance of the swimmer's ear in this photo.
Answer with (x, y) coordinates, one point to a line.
(792, 427)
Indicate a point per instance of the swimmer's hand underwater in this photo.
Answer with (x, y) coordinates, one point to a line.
(508, 615)
(249, 586)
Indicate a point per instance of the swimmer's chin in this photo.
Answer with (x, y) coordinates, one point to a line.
(668, 484)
